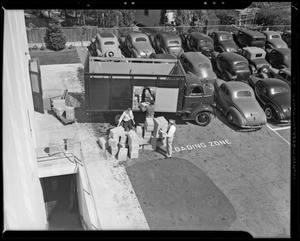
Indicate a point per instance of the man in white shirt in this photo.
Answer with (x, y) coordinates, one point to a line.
(127, 117)
(170, 137)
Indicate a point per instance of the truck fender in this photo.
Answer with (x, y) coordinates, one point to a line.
(237, 117)
(201, 108)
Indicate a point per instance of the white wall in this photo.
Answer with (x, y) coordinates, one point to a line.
(23, 197)
(149, 21)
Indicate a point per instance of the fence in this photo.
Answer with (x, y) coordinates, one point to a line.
(79, 34)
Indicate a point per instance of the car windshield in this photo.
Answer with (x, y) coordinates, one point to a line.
(204, 65)
(225, 37)
(243, 93)
(174, 42)
(275, 36)
(279, 90)
(109, 43)
(141, 39)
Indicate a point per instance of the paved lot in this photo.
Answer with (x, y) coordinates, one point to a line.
(251, 169)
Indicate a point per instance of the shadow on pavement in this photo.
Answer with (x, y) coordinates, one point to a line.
(176, 195)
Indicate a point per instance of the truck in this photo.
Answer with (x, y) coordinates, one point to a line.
(115, 84)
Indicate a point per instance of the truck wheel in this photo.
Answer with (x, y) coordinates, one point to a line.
(203, 118)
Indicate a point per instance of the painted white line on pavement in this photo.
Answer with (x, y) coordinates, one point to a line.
(281, 128)
(278, 135)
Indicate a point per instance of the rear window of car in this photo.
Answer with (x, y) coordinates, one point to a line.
(241, 65)
(258, 55)
(275, 36)
(204, 65)
(109, 43)
(279, 90)
(244, 93)
(225, 37)
(141, 39)
(173, 42)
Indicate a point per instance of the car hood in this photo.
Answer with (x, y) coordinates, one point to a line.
(251, 110)
(229, 44)
(206, 75)
(278, 43)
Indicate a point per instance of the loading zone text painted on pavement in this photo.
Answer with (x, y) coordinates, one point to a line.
(202, 145)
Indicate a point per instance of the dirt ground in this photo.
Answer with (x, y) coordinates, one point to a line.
(248, 172)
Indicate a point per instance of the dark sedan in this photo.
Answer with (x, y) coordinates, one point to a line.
(223, 41)
(199, 42)
(280, 58)
(274, 95)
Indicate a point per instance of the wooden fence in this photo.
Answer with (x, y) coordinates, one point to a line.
(73, 34)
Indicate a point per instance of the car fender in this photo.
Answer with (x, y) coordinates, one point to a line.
(238, 119)
(135, 53)
(201, 108)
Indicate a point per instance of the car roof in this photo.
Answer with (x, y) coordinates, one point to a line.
(196, 57)
(272, 82)
(270, 32)
(107, 35)
(198, 35)
(253, 33)
(221, 32)
(283, 51)
(233, 56)
(234, 86)
(254, 50)
(169, 35)
(138, 34)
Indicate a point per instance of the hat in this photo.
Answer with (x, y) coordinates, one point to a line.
(171, 121)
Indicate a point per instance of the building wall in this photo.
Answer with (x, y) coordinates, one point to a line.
(151, 20)
(24, 207)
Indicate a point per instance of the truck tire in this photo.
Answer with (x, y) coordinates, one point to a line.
(203, 118)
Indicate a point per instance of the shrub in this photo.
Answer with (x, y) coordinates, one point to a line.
(54, 37)
(43, 48)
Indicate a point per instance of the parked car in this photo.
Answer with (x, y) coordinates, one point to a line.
(105, 44)
(256, 58)
(273, 40)
(283, 74)
(279, 58)
(162, 56)
(286, 36)
(231, 66)
(236, 101)
(200, 42)
(167, 43)
(250, 38)
(274, 95)
(137, 45)
(197, 64)
(223, 41)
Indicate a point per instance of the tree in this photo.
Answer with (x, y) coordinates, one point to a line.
(54, 37)
(163, 17)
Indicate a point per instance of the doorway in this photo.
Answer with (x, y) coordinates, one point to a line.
(61, 202)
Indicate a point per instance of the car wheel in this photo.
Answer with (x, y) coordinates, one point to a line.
(203, 118)
(268, 112)
(230, 118)
(224, 77)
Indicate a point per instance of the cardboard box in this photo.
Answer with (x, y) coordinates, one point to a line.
(112, 143)
(122, 154)
(149, 124)
(116, 132)
(102, 142)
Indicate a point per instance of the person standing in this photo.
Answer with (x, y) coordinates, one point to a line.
(149, 108)
(170, 137)
(127, 118)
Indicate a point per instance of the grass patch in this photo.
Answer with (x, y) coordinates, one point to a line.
(47, 57)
